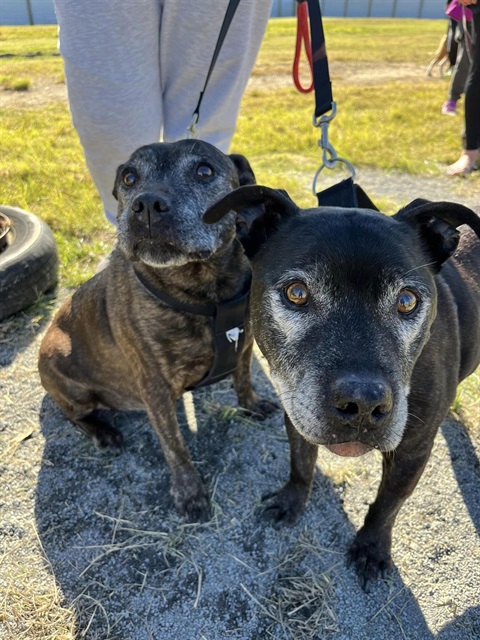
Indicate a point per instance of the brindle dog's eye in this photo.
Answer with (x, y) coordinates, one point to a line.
(204, 171)
(407, 301)
(297, 293)
(129, 178)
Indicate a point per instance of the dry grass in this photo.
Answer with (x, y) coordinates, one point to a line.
(301, 603)
(31, 606)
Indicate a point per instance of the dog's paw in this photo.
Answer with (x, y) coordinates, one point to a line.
(108, 439)
(191, 498)
(261, 409)
(370, 556)
(285, 506)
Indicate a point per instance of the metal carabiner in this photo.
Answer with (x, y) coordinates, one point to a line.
(329, 154)
(330, 158)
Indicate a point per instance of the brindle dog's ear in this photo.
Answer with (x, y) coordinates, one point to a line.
(117, 179)
(437, 224)
(244, 170)
(260, 210)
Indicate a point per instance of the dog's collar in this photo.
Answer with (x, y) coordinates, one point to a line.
(228, 326)
(196, 309)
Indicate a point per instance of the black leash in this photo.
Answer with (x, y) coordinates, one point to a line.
(228, 323)
(231, 9)
(346, 193)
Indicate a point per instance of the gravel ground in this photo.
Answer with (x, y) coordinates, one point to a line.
(91, 542)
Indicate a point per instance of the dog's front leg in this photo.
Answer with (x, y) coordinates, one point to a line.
(189, 492)
(286, 505)
(370, 552)
(242, 383)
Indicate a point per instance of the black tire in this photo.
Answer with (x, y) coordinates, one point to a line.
(29, 263)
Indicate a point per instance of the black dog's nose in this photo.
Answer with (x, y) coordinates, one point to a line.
(356, 401)
(147, 205)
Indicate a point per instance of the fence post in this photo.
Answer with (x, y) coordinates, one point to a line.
(394, 8)
(420, 8)
(30, 12)
(369, 10)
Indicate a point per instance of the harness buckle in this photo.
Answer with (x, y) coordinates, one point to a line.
(233, 335)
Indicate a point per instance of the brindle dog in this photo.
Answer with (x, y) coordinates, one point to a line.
(114, 344)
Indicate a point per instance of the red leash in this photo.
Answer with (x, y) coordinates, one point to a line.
(302, 36)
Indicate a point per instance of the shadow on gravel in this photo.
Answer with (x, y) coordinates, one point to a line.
(131, 569)
(466, 467)
(19, 330)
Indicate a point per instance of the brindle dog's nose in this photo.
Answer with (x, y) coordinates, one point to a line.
(356, 401)
(147, 206)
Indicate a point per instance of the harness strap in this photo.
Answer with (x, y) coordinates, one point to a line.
(228, 320)
(229, 339)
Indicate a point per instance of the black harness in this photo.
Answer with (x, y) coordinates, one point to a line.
(228, 325)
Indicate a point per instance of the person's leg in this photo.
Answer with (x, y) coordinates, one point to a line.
(471, 152)
(459, 73)
(188, 37)
(110, 50)
(472, 91)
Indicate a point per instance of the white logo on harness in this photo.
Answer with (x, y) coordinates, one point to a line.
(233, 335)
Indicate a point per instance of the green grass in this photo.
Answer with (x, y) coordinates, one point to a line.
(14, 84)
(383, 124)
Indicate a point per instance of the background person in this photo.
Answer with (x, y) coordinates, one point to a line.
(471, 151)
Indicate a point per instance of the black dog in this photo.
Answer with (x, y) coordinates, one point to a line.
(368, 330)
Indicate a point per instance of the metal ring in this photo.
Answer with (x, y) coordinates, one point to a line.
(322, 166)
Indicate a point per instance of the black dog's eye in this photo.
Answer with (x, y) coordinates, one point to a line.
(129, 178)
(407, 301)
(297, 293)
(204, 171)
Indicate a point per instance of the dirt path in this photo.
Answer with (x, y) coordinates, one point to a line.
(44, 91)
(122, 566)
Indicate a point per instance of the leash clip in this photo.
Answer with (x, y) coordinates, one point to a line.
(330, 158)
(192, 127)
(329, 155)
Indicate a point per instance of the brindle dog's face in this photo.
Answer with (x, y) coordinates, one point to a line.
(162, 192)
(342, 304)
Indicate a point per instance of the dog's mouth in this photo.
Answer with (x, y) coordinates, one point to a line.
(162, 251)
(349, 449)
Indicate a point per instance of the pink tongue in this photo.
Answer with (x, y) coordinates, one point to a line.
(351, 449)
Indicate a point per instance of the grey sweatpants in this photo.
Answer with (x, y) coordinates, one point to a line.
(134, 71)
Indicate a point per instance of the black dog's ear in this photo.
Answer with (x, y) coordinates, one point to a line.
(259, 222)
(117, 180)
(244, 170)
(437, 224)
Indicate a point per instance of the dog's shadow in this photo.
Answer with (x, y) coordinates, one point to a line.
(130, 567)
(465, 465)
(18, 331)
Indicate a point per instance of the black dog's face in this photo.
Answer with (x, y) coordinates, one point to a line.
(162, 192)
(342, 304)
